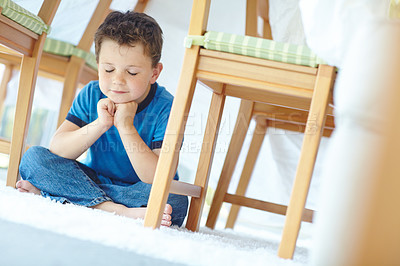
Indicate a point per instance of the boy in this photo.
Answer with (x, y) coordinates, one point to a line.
(121, 120)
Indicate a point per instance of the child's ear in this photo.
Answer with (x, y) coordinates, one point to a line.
(156, 72)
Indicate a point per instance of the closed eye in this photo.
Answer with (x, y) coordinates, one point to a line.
(133, 74)
(109, 71)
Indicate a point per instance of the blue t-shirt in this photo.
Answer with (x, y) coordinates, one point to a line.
(107, 156)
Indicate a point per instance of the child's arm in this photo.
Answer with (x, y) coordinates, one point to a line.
(143, 159)
(70, 140)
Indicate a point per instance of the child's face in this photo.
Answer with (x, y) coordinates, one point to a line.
(125, 72)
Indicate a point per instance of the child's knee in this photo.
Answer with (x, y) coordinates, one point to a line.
(35, 154)
(34, 157)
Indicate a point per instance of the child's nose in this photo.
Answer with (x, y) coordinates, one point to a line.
(118, 78)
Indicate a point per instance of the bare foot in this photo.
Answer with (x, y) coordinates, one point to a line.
(134, 212)
(26, 186)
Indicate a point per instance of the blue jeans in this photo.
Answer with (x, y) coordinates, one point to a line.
(69, 181)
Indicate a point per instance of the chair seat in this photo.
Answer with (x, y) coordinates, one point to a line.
(23, 17)
(256, 47)
(62, 48)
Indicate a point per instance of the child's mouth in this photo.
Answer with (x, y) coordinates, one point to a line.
(119, 92)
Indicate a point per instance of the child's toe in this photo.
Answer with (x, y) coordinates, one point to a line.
(168, 209)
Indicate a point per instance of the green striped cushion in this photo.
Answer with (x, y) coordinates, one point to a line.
(256, 47)
(23, 17)
(66, 49)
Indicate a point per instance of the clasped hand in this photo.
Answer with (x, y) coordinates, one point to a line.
(120, 115)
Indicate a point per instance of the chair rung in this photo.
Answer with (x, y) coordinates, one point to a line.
(265, 206)
(182, 188)
(5, 146)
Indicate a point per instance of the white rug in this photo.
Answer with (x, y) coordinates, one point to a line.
(208, 247)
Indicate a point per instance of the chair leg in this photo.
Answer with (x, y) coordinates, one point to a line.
(140, 6)
(176, 125)
(23, 108)
(205, 161)
(172, 140)
(309, 150)
(254, 150)
(7, 75)
(239, 134)
(72, 74)
(251, 18)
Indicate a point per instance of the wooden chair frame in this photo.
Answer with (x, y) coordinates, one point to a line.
(30, 45)
(252, 79)
(266, 115)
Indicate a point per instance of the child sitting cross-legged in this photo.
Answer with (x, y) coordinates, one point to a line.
(120, 120)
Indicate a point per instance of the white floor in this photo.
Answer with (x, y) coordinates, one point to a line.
(3, 176)
(249, 230)
(32, 242)
(176, 245)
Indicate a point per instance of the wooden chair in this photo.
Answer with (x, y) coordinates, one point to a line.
(278, 84)
(29, 42)
(266, 115)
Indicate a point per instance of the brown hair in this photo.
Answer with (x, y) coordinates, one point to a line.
(128, 29)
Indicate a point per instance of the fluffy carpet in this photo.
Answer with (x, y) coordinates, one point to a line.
(175, 245)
